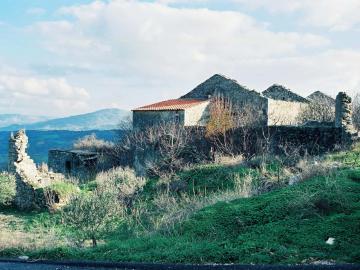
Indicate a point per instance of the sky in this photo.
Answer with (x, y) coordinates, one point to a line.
(66, 57)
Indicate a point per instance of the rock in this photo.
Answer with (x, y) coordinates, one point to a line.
(23, 258)
(330, 241)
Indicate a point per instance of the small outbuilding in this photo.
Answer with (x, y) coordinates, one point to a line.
(186, 112)
(73, 163)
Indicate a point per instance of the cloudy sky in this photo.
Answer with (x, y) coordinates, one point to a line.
(63, 57)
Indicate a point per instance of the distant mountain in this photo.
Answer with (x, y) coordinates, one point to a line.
(20, 119)
(100, 120)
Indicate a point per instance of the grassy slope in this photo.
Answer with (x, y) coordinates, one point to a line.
(289, 225)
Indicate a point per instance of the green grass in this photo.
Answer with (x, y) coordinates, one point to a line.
(64, 189)
(289, 225)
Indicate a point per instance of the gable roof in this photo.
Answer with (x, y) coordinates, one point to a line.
(218, 84)
(279, 92)
(171, 105)
(319, 96)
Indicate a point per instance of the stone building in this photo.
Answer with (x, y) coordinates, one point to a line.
(275, 106)
(186, 112)
(73, 163)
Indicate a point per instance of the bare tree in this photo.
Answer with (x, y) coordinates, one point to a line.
(319, 110)
(163, 148)
(225, 119)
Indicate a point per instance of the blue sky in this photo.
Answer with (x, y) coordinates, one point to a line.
(63, 57)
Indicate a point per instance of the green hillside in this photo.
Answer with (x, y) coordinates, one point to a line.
(287, 224)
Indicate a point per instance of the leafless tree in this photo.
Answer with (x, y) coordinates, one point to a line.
(225, 119)
(163, 148)
(319, 110)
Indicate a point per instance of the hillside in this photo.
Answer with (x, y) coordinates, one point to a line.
(100, 120)
(314, 221)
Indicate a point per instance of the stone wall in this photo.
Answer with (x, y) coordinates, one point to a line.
(284, 112)
(142, 119)
(29, 180)
(343, 117)
(74, 163)
(197, 115)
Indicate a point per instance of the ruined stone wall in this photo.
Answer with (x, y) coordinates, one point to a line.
(29, 180)
(343, 117)
(197, 115)
(78, 164)
(143, 119)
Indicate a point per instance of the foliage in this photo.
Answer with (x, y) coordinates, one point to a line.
(164, 148)
(221, 117)
(123, 181)
(92, 215)
(63, 188)
(92, 143)
(7, 188)
(214, 219)
(276, 227)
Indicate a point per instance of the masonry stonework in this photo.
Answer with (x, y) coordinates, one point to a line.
(29, 180)
(343, 117)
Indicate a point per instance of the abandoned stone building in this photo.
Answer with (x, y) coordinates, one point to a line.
(274, 106)
(73, 163)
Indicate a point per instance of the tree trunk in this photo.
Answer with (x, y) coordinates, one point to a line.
(94, 243)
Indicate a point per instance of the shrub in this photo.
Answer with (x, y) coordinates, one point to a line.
(123, 181)
(7, 188)
(92, 215)
(92, 143)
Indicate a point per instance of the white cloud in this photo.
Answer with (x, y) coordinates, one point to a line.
(337, 15)
(151, 39)
(52, 96)
(139, 52)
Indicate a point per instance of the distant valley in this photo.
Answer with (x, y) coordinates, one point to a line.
(106, 119)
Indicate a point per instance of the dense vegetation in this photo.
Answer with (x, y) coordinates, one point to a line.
(245, 212)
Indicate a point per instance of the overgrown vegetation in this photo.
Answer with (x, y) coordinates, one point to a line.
(7, 188)
(259, 210)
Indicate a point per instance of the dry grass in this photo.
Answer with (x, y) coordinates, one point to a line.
(14, 235)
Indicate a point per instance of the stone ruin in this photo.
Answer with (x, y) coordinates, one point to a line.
(29, 180)
(343, 118)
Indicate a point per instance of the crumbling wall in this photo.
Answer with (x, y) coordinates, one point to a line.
(343, 117)
(29, 180)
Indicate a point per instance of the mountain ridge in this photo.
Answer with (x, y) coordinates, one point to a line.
(105, 119)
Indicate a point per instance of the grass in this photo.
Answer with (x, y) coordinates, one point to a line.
(287, 225)
(290, 225)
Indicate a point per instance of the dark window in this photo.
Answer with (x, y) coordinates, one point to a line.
(68, 166)
(177, 118)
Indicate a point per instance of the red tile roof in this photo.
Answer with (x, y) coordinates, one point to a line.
(171, 105)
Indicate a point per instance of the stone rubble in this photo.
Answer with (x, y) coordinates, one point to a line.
(29, 180)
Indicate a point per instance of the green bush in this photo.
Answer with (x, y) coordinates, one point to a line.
(7, 188)
(64, 189)
(123, 181)
(90, 216)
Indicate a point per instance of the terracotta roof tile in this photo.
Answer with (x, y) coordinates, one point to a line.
(171, 105)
